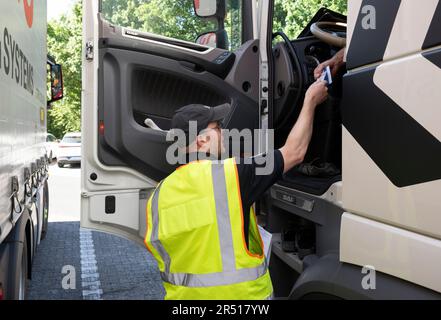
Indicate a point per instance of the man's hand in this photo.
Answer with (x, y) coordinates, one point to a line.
(334, 63)
(317, 93)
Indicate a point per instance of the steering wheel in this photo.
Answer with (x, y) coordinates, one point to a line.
(299, 73)
(324, 31)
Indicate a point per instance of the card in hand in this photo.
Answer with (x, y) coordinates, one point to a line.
(326, 75)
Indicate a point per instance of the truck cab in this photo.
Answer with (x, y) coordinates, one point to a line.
(359, 218)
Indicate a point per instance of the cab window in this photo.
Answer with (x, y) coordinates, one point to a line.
(173, 18)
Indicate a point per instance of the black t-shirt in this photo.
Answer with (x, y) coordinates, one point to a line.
(253, 183)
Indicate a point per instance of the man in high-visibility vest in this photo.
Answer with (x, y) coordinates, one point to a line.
(201, 228)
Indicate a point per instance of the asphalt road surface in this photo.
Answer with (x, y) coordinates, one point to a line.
(73, 263)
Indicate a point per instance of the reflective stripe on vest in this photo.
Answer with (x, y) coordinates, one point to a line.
(229, 274)
(156, 243)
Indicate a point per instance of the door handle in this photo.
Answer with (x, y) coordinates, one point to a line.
(191, 66)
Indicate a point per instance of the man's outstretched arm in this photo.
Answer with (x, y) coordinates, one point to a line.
(298, 140)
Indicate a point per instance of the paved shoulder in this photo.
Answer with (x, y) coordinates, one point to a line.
(74, 263)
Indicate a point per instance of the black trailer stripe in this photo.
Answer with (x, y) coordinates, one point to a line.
(403, 149)
(433, 37)
(369, 45)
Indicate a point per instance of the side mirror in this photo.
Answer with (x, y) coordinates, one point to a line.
(57, 88)
(214, 39)
(208, 39)
(209, 8)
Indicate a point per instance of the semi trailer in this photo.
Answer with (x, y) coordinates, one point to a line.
(24, 194)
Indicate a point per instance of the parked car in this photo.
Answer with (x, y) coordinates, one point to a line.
(69, 149)
(51, 146)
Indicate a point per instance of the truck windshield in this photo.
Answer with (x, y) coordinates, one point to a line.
(172, 18)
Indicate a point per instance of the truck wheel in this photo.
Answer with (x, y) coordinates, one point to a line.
(23, 274)
(19, 275)
(45, 210)
(60, 165)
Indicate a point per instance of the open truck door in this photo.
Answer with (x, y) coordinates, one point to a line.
(131, 75)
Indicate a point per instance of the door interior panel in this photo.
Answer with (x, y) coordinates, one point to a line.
(136, 84)
(157, 94)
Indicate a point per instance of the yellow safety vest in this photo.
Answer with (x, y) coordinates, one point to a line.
(195, 232)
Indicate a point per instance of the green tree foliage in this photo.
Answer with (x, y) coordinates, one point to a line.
(292, 16)
(64, 38)
(233, 24)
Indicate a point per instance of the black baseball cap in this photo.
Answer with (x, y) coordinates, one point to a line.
(200, 113)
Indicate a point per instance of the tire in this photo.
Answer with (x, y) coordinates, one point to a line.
(45, 210)
(51, 157)
(23, 274)
(60, 165)
(19, 277)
